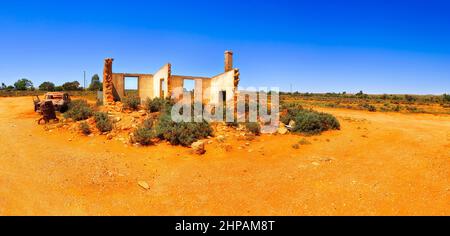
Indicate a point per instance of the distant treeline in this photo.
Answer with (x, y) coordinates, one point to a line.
(21, 93)
(361, 95)
(25, 84)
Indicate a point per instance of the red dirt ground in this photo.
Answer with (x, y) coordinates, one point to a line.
(378, 164)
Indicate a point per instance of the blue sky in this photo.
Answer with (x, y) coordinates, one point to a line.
(317, 46)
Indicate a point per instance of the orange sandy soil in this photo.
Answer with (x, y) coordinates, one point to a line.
(378, 164)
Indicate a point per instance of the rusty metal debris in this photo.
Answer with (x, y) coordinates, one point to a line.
(59, 100)
(48, 112)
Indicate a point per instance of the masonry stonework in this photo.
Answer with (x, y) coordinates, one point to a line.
(163, 84)
(108, 87)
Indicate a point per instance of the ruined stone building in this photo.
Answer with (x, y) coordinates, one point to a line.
(163, 84)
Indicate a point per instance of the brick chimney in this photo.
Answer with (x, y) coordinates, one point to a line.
(228, 61)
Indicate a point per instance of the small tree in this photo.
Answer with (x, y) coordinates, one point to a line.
(71, 86)
(23, 84)
(446, 97)
(47, 86)
(95, 85)
(3, 86)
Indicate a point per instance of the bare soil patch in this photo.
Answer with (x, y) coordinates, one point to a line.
(377, 164)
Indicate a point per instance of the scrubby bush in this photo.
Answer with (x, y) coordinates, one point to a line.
(148, 123)
(158, 105)
(410, 98)
(103, 122)
(144, 135)
(369, 107)
(291, 105)
(413, 109)
(289, 115)
(131, 102)
(311, 122)
(84, 128)
(78, 110)
(446, 97)
(183, 133)
(253, 127)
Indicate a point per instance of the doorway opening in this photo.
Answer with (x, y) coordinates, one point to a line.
(131, 85)
(162, 88)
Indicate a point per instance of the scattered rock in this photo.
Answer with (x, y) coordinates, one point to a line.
(220, 138)
(109, 136)
(247, 144)
(326, 159)
(199, 147)
(250, 137)
(316, 163)
(282, 130)
(227, 147)
(304, 141)
(296, 146)
(292, 124)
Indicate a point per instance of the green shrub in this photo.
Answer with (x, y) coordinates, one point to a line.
(158, 105)
(78, 110)
(446, 97)
(410, 98)
(412, 109)
(145, 133)
(85, 129)
(253, 127)
(290, 115)
(291, 105)
(131, 102)
(311, 122)
(183, 133)
(148, 123)
(103, 122)
(368, 107)
(144, 136)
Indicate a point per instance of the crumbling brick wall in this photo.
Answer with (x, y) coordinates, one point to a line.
(108, 96)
